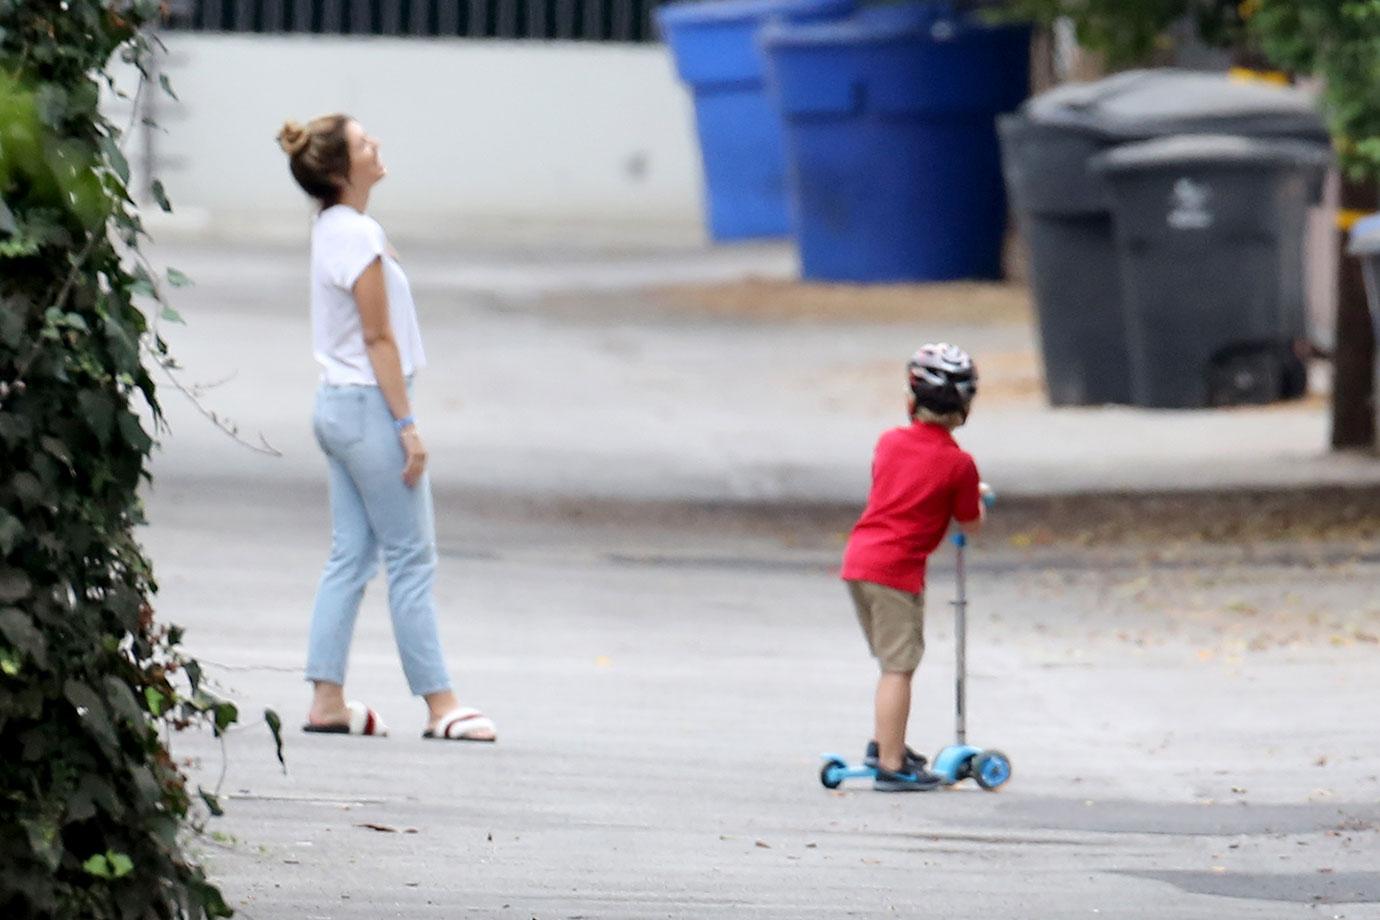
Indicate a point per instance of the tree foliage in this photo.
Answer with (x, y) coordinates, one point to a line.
(92, 804)
(1129, 32)
(1339, 41)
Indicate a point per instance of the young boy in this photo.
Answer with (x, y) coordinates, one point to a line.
(921, 479)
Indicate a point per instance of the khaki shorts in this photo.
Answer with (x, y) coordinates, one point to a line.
(893, 622)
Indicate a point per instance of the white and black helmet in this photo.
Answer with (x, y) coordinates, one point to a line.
(942, 378)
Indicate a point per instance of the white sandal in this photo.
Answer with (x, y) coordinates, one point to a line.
(459, 725)
(363, 721)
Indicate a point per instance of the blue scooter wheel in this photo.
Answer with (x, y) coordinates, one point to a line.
(831, 774)
(991, 769)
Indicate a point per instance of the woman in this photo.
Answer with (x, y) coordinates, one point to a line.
(366, 339)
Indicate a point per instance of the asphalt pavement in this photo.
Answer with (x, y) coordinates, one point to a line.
(639, 513)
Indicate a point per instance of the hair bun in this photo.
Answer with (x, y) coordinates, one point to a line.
(293, 138)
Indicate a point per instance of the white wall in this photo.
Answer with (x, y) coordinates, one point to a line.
(475, 134)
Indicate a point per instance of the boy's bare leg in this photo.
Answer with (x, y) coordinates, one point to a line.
(892, 713)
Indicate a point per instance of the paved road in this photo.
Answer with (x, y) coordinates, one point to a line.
(1193, 727)
(1191, 742)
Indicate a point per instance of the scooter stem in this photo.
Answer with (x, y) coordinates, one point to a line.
(960, 603)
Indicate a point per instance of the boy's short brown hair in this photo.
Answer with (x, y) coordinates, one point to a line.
(949, 420)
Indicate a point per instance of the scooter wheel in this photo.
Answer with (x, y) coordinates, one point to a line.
(831, 774)
(991, 769)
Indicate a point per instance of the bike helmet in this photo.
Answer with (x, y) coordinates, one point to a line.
(942, 378)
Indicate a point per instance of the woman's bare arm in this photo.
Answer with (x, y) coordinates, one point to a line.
(371, 298)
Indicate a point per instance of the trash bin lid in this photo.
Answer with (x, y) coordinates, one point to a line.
(1211, 150)
(932, 21)
(1365, 237)
(1152, 103)
(711, 11)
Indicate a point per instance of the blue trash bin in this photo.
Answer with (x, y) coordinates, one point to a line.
(891, 140)
(716, 52)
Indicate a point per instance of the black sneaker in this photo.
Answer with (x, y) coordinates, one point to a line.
(913, 760)
(917, 780)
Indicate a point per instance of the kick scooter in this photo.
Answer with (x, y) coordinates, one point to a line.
(990, 769)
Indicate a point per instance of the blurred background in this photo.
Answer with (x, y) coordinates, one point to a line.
(869, 144)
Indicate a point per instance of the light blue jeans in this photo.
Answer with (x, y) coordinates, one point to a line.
(373, 512)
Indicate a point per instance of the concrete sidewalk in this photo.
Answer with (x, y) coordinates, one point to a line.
(657, 375)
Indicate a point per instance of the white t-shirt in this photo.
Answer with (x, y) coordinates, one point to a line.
(344, 243)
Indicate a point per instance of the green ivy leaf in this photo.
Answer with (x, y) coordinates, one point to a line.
(212, 803)
(116, 158)
(171, 315)
(92, 710)
(55, 448)
(123, 701)
(10, 531)
(25, 485)
(211, 900)
(227, 714)
(44, 839)
(109, 865)
(51, 102)
(193, 669)
(275, 727)
(177, 278)
(157, 702)
(18, 627)
(160, 196)
(93, 791)
(98, 866)
(99, 413)
(14, 585)
(120, 864)
(167, 85)
(142, 283)
(133, 432)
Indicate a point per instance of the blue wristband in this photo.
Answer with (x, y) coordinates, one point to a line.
(404, 422)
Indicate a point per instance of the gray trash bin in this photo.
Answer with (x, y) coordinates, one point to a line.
(1064, 210)
(1210, 245)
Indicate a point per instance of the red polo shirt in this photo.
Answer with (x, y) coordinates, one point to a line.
(921, 479)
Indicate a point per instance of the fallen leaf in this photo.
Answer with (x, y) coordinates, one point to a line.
(763, 844)
(383, 828)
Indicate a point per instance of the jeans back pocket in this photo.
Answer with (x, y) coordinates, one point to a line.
(339, 418)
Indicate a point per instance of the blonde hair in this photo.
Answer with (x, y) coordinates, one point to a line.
(949, 420)
(318, 155)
